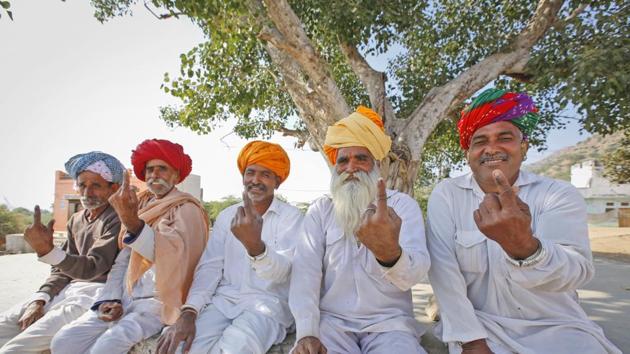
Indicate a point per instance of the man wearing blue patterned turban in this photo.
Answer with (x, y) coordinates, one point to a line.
(79, 267)
(509, 248)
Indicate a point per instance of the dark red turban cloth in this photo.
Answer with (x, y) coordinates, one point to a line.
(494, 105)
(164, 150)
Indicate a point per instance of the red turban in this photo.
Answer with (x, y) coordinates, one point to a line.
(164, 150)
(268, 155)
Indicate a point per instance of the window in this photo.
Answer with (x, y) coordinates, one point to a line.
(610, 204)
(625, 203)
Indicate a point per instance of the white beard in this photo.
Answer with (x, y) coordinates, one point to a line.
(351, 198)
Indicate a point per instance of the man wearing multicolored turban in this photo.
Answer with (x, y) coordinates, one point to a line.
(163, 235)
(79, 267)
(238, 300)
(361, 251)
(509, 248)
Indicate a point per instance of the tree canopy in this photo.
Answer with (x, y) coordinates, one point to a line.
(297, 66)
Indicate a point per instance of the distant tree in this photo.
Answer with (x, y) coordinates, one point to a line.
(6, 5)
(267, 61)
(10, 223)
(617, 164)
(213, 208)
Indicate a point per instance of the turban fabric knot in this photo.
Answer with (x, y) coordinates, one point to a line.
(107, 166)
(268, 155)
(494, 105)
(361, 128)
(171, 153)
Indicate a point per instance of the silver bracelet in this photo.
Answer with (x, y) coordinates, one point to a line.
(531, 260)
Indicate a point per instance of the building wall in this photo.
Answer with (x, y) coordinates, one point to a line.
(67, 200)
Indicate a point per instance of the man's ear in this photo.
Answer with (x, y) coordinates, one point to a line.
(115, 187)
(277, 182)
(524, 147)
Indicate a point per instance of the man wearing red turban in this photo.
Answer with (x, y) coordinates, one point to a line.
(509, 248)
(164, 233)
(238, 300)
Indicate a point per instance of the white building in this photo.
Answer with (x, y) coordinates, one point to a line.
(601, 195)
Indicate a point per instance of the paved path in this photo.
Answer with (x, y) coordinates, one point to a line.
(606, 298)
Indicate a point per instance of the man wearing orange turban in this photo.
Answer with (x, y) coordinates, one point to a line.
(238, 301)
(164, 233)
(361, 251)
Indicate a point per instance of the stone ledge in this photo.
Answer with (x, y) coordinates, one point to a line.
(148, 346)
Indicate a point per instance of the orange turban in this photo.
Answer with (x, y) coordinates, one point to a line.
(362, 128)
(268, 155)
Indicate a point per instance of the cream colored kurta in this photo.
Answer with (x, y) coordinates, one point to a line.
(336, 280)
(519, 309)
(228, 279)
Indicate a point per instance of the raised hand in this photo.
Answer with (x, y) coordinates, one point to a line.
(37, 235)
(380, 228)
(110, 311)
(506, 219)
(33, 312)
(247, 227)
(183, 330)
(125, 202)
(309, 345)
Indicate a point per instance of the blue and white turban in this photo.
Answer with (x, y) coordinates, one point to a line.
(107, 166)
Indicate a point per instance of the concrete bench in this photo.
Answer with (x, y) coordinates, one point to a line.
(149, 346)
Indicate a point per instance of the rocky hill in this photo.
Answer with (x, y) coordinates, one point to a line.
(558, 164)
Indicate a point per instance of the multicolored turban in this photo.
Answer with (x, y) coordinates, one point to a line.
(494, 105)
(164, 150)
(267, 155)
(107, 166)
(362, 128)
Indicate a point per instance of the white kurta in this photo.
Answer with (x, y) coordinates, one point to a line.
(337, 281)
(226, 277)
(518, 309)
(141, 318)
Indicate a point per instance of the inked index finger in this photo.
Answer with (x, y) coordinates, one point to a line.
(381, 198)
(125, 183)
(247, 204)
(506, 192)
(37, 216)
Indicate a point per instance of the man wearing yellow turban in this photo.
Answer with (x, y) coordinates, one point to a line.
(361, 250)
(238, 300)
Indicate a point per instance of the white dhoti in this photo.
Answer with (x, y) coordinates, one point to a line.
(89, 334)
(249, 333)
(337, 341)
(66, 307)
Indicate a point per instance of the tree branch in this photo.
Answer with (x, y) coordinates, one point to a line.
(373, 81)
(561, 24)
(444, 100)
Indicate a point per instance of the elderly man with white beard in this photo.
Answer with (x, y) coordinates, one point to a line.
(361, 251)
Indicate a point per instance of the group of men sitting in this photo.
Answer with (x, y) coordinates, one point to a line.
(505, 251)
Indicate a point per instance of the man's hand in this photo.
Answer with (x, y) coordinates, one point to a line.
(309, 345)
(110, 311)
(247, 227)
(33, 312)
(380, 228)
(478, 346)
(183, 330)
(506, 219)
(37, 235)
(125, 202)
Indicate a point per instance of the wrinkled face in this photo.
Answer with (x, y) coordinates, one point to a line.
(496, 146)
(160, 177)
(94, 189)
(260, 183)
(354, 158)
(353, 186)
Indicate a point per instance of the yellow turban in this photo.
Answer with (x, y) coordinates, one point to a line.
(362, 128)
(268, 155)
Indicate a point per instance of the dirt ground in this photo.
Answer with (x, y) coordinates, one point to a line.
(611, 242)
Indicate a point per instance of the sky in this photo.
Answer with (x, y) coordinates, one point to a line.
(69, 84)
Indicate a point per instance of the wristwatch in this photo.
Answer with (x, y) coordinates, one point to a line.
(258, 257)
(531, 260)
